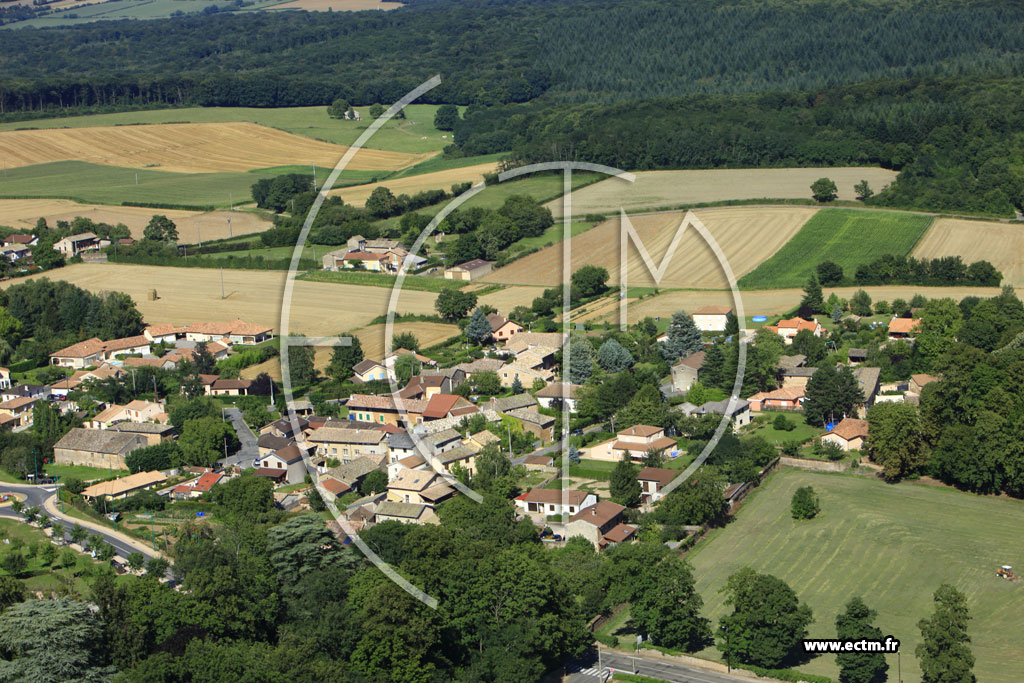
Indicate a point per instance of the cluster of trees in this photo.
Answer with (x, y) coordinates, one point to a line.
(40, 316)
(964, 431)
(485, 233)
(907, 270)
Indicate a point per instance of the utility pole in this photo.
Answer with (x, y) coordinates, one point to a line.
(314, 177)
(509, 429)
(229, 227)
(136, 177)
(231, 204)
(222, 282)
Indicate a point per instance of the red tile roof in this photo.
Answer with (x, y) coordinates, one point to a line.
(599, 514)
(713, 310)
(661, 475)
(904, 325)
(850, 428)
(639, 430)
(440, 405)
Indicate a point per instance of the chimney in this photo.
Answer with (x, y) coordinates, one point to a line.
(593, 510)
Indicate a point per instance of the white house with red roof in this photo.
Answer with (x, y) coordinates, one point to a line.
(635, 441)
(789, 328)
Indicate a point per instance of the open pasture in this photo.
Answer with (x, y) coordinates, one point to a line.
(891, 545)
(665, 189)
(190, 294)
(849, 237)
(747, 236)
(187, 148)
(1001, 244)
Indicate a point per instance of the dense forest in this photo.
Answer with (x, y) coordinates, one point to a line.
(952, 139)
(499, 51)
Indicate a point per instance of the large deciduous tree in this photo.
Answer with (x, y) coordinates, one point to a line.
(831, 394)
(446, 116)
(896, 439)
(671, 613)
(453, 304)
(768, 621)
(344, 358)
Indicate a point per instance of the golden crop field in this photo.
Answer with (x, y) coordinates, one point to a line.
(338, 5)
(654, 189)
(508, 298)
(188, 148)
(23, 213)
(746, 235)
(190, 294)
(438, 180)
(776, 301)
(371, 338)
(1001, 244)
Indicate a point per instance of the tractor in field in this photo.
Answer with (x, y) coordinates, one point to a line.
(1006, 572)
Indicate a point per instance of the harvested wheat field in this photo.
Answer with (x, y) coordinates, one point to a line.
(1001, 244)
(654, 189)
(188, 148)
(23, 213)
(189, 294)
(773, 302)
(508, 298)
(438, 180)
(337, 5)
(746, 235)
(372, 340)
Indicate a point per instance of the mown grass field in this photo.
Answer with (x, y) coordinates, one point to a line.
(849, 237)
(414, 135)
(101, 184)
(892, 545)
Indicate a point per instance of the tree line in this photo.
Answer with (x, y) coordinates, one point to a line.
(890, 269)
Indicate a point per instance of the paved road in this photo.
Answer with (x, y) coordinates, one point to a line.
(248, 451)
(661, 669)
(44, 497)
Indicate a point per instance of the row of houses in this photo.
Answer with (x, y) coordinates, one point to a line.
(218, 336)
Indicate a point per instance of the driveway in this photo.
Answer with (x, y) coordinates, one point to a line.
(248, 451)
